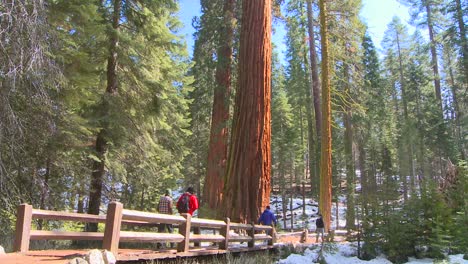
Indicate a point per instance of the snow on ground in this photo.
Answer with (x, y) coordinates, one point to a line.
(346, 253)
(301, 221)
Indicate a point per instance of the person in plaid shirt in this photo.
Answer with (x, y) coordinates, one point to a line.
(165, 207)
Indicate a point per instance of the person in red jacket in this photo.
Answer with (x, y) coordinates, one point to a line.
(192, 201)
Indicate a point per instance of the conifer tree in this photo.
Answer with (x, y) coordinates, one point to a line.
(428, 13)
(315, 91)
(299, 93)
(396, 39)
(326, 148)
(247, 188)
(203, 71)
(217, 153)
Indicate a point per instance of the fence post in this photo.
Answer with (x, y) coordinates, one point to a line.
(184, 230)
(251, 233)
(112, 229)
(23, 228)
(225, 232)
(273, 236)
(197, 231)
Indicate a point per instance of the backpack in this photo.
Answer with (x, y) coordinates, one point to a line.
(183, 205)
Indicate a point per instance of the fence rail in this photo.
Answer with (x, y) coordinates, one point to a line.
(117, 216)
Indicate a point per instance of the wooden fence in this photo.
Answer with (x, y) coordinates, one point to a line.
(117, 216)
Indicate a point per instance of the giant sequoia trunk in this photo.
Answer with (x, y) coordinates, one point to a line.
(316, 94)
(217, 153)
(326, 149)
(247, 188)
(97, 175)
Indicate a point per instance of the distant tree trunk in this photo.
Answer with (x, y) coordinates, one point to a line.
(284, 205)
(434, 62)
(458, 113)
(218, 146)
(326, 149)
(247, 189)
(365, 190)
(409, 149)
(464, 43)
(316, 95)
(44, 192)
(80, 205)
(312, 144)
(349, 159)
(101, 141)
(291, 197)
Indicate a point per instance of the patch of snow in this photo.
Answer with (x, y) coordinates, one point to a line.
(346, 253)
(457, 259)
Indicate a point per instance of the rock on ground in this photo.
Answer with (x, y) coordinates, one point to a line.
(78, 261)
(109, 258)
(94, 257)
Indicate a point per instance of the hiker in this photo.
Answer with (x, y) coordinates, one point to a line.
(268, 218)
(165, 207)
(188, 202)
(320, 227)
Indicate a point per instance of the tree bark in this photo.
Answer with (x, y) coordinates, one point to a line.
(218, 146)
(312, 144)
(349, 159)
(314, 69)
(247, 188)
(326, 148)
(464, 43)
(315, 92)
(434, 62)
(101, 147)
(458, 113)
(44, 192)
(404, 98)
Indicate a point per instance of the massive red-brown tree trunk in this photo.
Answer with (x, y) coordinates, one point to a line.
(218, 147)
(247, 188)
(97, 175)
(326, 150)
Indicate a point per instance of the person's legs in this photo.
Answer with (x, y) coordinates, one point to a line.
(170, 229)
(320, 231)
(161, 229)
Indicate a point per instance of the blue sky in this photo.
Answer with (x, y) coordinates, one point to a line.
(376, 13)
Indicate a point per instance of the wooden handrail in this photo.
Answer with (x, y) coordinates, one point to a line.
(208, 223)
(147, 217)
(126, 236)
(66, 216)
(117, 216)
(80, 217)
(65, 235)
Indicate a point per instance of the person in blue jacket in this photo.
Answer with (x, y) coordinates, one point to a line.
(267, 217)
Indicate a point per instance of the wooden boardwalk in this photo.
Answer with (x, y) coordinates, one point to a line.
(194, 238)
(124, 255)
